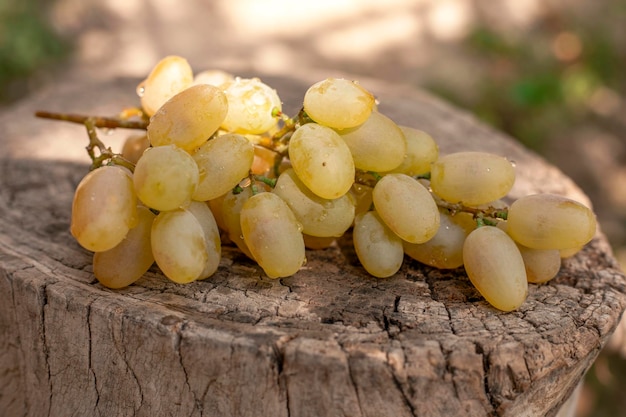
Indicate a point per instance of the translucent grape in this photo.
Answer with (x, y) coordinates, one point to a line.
(124, 264)
(317, 242)
(222, 163)
(186, 244)
(406, 207)
(169, 77)
(272, 234)
(362, 198)
(548, 221)
(165, 178)
(104, 208)
(541, 264)
(495, 266)
(338, 103)
(189, 118)
(264, 160)
(421, 152)
(378, 248)
(445, 249)
(250, 105)
(472, 178)
(376, 145)
(231, 212)
(318, 216)
(134, 146)
(322, 160)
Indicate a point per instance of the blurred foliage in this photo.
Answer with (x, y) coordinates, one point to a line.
(541, 82)
(28, 43)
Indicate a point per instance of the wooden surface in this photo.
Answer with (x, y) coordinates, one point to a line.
(330, 341)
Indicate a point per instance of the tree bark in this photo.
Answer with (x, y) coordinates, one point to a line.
(329, 341)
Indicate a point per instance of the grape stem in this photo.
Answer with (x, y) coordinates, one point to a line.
(101, 122)
(104, 153)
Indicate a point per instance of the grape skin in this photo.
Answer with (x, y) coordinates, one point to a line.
(379, 249)
(104, 208)
(250, 106)
(169, 76)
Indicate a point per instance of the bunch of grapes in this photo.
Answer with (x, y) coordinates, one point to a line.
(220, 162)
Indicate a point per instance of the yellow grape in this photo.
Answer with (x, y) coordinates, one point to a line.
(362, 197)
(318, 216)
(421, 152)
(472, 178)
(376, 145)
(104, 208)
(189, 118)
(322, 160)
(264, 161)
(165, 178)
(378, 248)
(317, 242)
(272, 234)
(222, 163)
(231, 212)
(338, 103)
(169, 77)
(250, 106)
(495, 266)
(445, 249)
(216, 208)
(406, 207)
(134, 146)
(549, 221)
(124, 264)
(541, 264)
(185, 243)
(214, 77)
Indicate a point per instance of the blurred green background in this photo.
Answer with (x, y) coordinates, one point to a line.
(551, 74)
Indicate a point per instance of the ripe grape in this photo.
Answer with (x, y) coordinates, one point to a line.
(472, 178)
(134, 146)
(378, 248)
(338, 103)
(406, 207)
(165, 178)
(189, 118)
(549, 221)
(124, 264)
(185, 243)
(169, 77)
(222, 163)
(495, 266)
(318, 216)
(214, 77)
(231, 212)
(250, 106)
(445, 249)
(541, 264)
(322, 160)
(421, 152)
(272, 234)
(376, 145)
(104, 208)
(317, 242)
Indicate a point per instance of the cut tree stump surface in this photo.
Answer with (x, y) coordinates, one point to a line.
(329, 341)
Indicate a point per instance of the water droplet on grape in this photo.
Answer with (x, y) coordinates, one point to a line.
(141, 89)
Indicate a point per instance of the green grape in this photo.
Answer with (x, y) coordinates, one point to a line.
(189, 118)
(472, 178)
(421, 152)
(362, 197)
(169, 77)
(406, 207)
(216, 206)
(322, 160)
(376, 145)
(272, 234)
(338, 103)
(541, 264)
(124, 264)
(231, 212)
(222, 163)
(318, 216)
(378, 248)
(165, 178)
(445, 249)
(548, 221)
(317, 242)
(495, 266)
(250, 106)
(185, 243)
(104, 208)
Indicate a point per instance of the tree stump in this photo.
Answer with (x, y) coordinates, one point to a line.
(329, 341)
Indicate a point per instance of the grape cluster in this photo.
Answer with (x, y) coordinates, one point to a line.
(220, 162)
